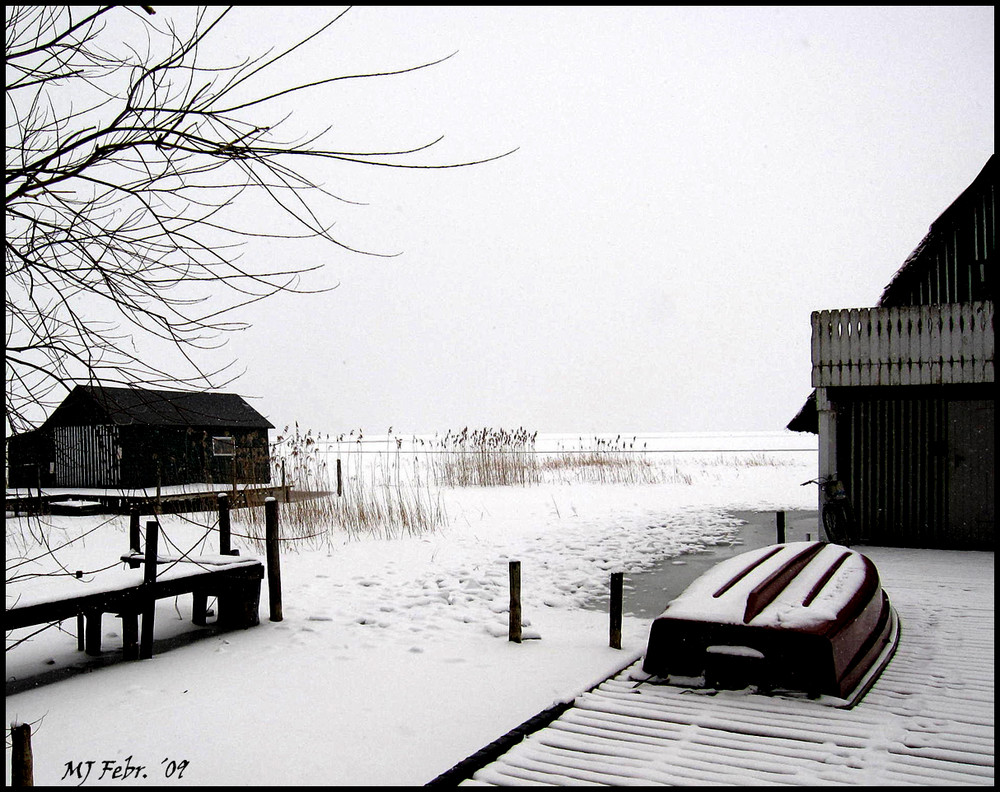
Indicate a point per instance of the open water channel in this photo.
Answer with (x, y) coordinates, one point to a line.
(648, 592)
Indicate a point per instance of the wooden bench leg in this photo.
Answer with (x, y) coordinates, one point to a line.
(92, 640)
(252, 604)
(130, 636)
(227, 616)
(81, 630)
(239, 605)
(199, 608)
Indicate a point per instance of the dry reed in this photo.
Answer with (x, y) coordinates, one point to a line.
(377, 499)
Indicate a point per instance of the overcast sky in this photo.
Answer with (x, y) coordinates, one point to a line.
(689, 184)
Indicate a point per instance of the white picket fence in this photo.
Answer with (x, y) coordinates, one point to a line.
(910, 345)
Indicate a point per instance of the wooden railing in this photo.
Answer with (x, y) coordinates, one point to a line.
(911, 345)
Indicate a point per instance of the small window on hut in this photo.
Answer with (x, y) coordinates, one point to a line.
(223, 446)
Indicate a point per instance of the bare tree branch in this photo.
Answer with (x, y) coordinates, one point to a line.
(121, 164)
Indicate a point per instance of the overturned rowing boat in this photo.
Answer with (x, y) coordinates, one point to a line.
(804, 617)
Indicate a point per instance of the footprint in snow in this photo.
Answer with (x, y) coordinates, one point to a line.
(501, 631)
(368, 621)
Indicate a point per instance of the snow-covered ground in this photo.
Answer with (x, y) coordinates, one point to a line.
(928, 720)
(391, 663)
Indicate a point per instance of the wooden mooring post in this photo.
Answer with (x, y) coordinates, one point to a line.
(617, 600)
(148, 579)
(780, 520)
(81, 642)
(22, 771)
(134, 532)
(271, 539)
(225, 530)
(514, 621)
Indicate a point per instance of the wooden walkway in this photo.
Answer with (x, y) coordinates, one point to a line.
(133, 592)
(929, 719)
(167, 500)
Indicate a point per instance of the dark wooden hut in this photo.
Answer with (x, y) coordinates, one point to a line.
(903, 401)
(127, 438)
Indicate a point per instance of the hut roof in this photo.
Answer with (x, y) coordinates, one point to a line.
(807, 419)
(917, 260)
(132, 406)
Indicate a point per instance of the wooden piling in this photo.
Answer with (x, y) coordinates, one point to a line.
(617, 600)
(134, 537)
(81, 643)
(780, 520)
(22, 770)
(130, 635)
(148, 579)
(225, 529)
(514, 622)
(340, 481)
(273, 558)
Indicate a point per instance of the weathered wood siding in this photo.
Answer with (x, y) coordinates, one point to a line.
(86, 456)
(911, 345)
(918, 465)
(183, 455)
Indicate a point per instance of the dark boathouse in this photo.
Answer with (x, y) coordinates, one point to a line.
(127, 438)
(904, 392)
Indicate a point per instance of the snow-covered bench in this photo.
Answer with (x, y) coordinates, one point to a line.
(233, 580)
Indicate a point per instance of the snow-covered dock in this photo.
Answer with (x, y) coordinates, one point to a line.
(929, 719)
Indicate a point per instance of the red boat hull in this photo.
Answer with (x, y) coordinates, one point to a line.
(804, 617)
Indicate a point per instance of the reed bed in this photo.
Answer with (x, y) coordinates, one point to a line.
(486, 458)
(392, 486)
(377, 499)
(606, 461)
(502, 457)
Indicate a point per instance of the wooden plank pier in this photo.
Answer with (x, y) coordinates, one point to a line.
(133, 592)
(168, 500)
